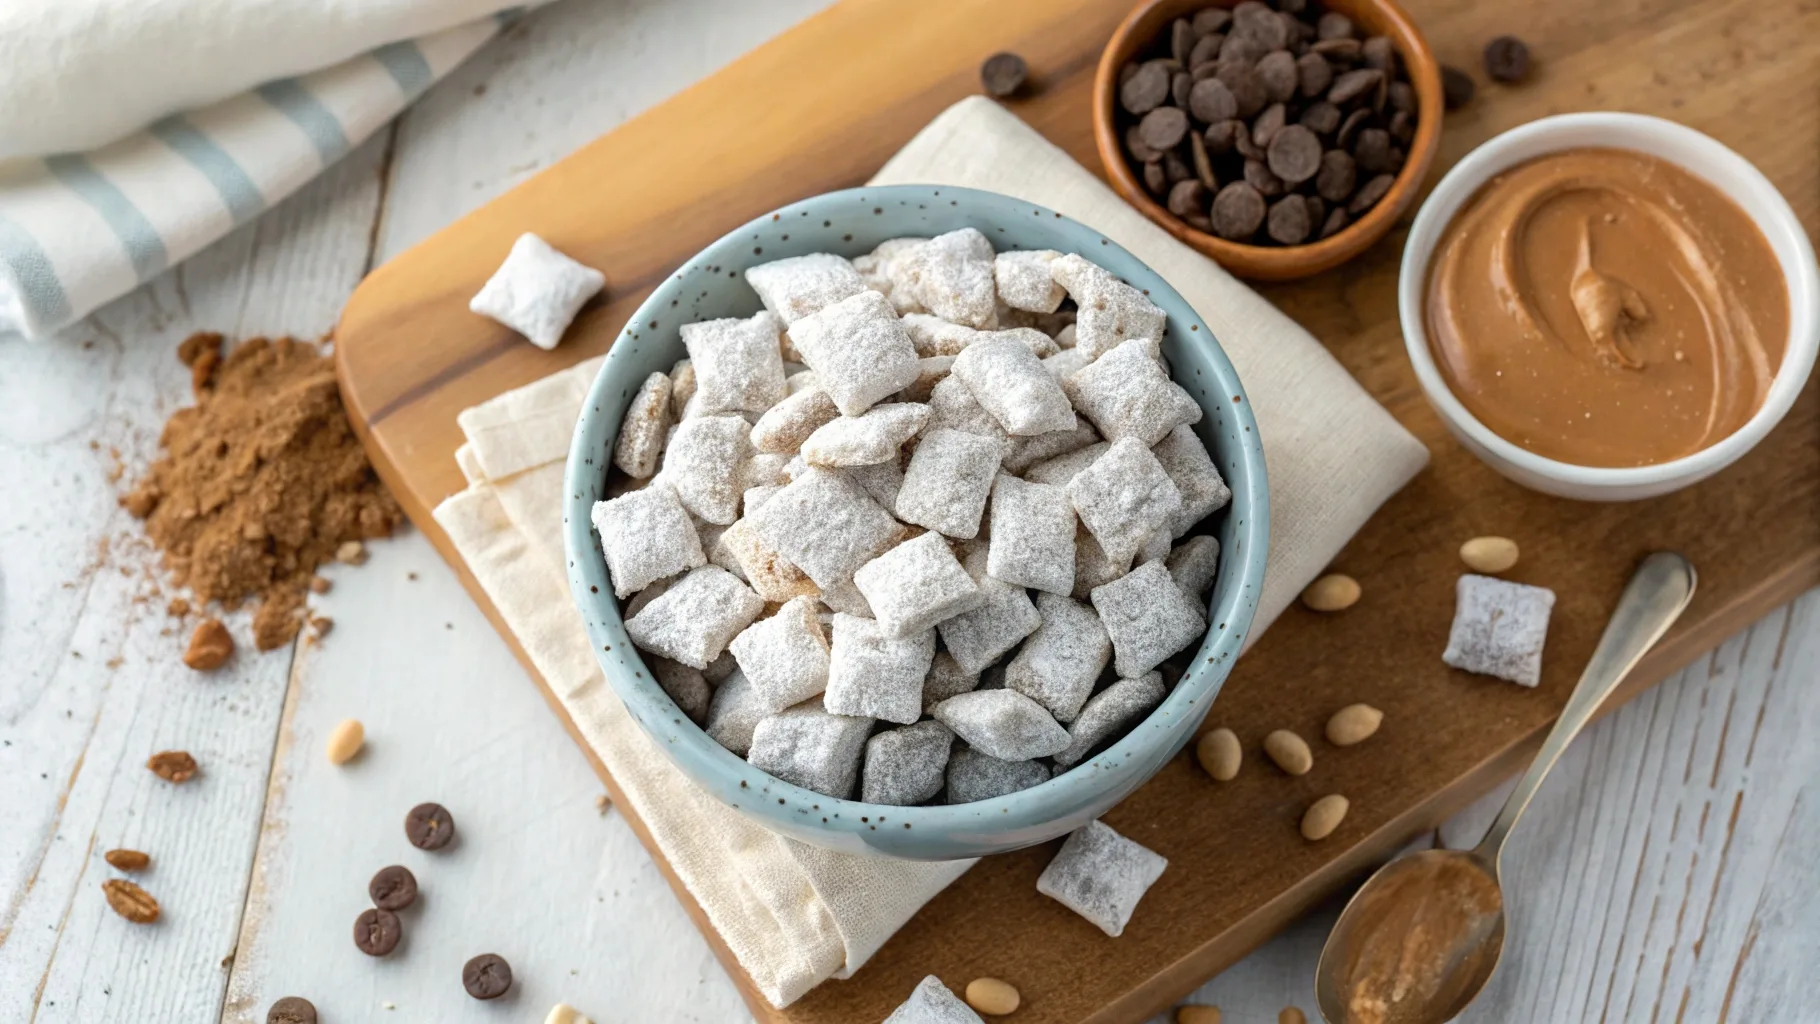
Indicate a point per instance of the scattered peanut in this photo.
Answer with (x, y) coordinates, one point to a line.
(130, 901)
(563, 1013)
(1332, 593)
(1219, 753)
(352, 552)
(210, 646)
(992, 996)
(1289, 751)
(1291, 1015)
(320, 585)
(1354, 723)
(127, 860)
(346, 741)
(1489, 554)
(172, 765)
(1324, 815)
(1197, 1015)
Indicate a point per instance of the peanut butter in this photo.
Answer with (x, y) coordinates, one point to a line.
(1604, 307)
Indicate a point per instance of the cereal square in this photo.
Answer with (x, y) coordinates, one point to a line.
(973, 775)
(948, 480)
(1066, 363)
(1024, 452)
(1499, 628)
(934, 336)
(930, 371)
(982, 636)
(1148, 618)
(537, 291)
(1191, 469)
(1003, 723)
(1041, 345)
(642, 432)
(785, 426)
(696, 617)
(1091, 566)
(1062, 468)
(1109, 712)
(1124, 497)
(684, 685)
(1126, 394)
(951, 405)
(932, 1003)
(807, 746)
(1101, 876)
(682, 388)
(1033, 529)
(858, 350)
(1024, 281)
(877, 676)
(771, 575)
(734, 711)
(796, 287)
(882, 269)
(945, 679)
(1008, 381)
(825, 524)
(705, 464)
(904, 767)
(646, 535)
(915, 585)
(1111, 311)
(952, 276)
(785, 656)
(881, 481)
(738, 367)
(1059, 664)
(1193, 564)
(868, 439)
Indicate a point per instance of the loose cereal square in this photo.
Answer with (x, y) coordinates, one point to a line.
(1033, 529)
(686, 686)
(647, 536)
(801, 285)
(825, 524)
(1059, 470)
(1024, 281)
(809, 747)
(1003, 723)
(1101, 876)
(868, 439)
(973, 775)
(858, 350)
(952, 276)
(642, 432)
(915, 585)
(1191, 469)
(934, 336)
(904, 767)
(537, 291)
(1058, 665)
(1109, 712)
(1124, 497)
(738, 367)
(785, 656)
(734, 711)
(1499, 628)
(951, 405)
(932, 1003)
(948, 480)
(705, 464)
(1008, 381)
(696, 617)
(945, 679)
(1126, 394)
(785, 426)
(1148, 618)
(1193, 564)
(982, 636)
(771, 575)
(1027, 451)
(1110, 311)
(875, 675)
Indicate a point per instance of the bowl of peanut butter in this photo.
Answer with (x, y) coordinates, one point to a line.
(1608, 306)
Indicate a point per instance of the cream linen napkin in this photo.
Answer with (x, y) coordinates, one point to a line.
(792, 914)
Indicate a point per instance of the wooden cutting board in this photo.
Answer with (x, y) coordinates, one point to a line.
(822, 106)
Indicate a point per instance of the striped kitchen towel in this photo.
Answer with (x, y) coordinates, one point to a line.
(78, 229)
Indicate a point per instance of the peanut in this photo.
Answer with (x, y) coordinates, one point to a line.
(130, 901)
(1197, 1015)
(1354, 723)
(992, 996)
(1489, 554)
(1332, 593)
(1324, 815)
(563, 1013)
(352, 552)
(1289, 751)
(1291, 1015)
(127, 860)
(210, 646)
(346, 741)
(172, 765)
(1219, 753)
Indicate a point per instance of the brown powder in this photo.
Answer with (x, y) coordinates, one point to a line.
(261, 480)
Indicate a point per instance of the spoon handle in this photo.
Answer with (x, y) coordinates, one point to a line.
(1654, 598)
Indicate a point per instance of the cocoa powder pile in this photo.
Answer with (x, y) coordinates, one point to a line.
(261, 480)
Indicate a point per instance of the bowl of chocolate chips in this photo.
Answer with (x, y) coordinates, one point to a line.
(1281, 138)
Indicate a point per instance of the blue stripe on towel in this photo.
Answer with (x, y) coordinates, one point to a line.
(143, 246)
(242, 198)
(292, 99)
(36, 279)
(407, 66)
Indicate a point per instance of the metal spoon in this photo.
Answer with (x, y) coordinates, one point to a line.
(1421, 938)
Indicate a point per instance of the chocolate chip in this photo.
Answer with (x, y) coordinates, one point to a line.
(1403, 98)
(376, 931)
(1369, 194)
(1338, 174)
(1294, 154)
(1313, 74)
(1162, 128)
(1288, 220)
(1268, 123)
(1372, 150)
(1333, 25)
(1178, 88)
(1259, 176)
(1256, 21)
(1175, 168)
(1456, 87)
(487, 976)
(1187, 196)
(1507, 59)
(1199, 222)
(1181, 40)
(1277, 70)
(1354, 84)
(1343, 50)
(1238, 49)
(1212, 101)
(1221, 136)
(291, 1010)
(1244, 145)
(1003, 74)
(1154, 179)
(1140, 150)
(1317, 209)
(1206, 49)
(1321, 118)
(1237, 211)
(1292, 6)
(1350, 128)
(393, 888)
(1203, 163)
(1204, 70)
(429, 826)
(1212, 19)
(1336, 222)
(1247, 89)
(1398, 157)
(1402, 126)
(1146, 89)
(1378, 52)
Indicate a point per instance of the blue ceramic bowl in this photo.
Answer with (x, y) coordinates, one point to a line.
(851, 223)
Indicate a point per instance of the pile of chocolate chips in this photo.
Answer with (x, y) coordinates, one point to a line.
(1267, 124)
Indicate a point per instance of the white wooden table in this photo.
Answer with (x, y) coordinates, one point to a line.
(1669, 871)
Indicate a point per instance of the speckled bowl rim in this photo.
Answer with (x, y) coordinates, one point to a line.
(768, 799)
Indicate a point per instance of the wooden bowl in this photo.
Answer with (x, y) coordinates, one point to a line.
(1273, 263)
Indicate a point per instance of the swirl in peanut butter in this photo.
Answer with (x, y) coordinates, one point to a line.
(1603, 307)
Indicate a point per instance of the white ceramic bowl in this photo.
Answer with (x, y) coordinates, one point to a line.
(1697, 153)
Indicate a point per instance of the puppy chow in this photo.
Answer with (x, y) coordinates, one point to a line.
(1024, 452)
(755, 497)
(738, 367)
(809, 747)
(881, 481)
(1191, 469)
(686, 686)
(882, 268)
(845, 598)
(1499, 628)
(1091, 566)
(1008, 381)
(1003, 723)
(825, 524)
(1024, 281)
(785, 656)
(772, 576)
(682, 388)
(1058, 471)
(945, 679)
(915, 585)
(1109, 712)
(1101, 876)
(858, 350)
(1033, 527)
(796, 287)
(646, 535)
(952, 405)
(1124, 497)
(974, 775)
(951, 275)
(642, 432)
(1148, 618)
(1067, 337)
(930, 371)
(734, 711)
(1058, 665)
(931, 1003)
(696, 617)
(948, 480)
(705, 462)
(877, 676)
(713, 544)
(785, 426)
(1110, 311)
(720, 669)
(1156, 546)
(934, 336)
(537, 291)
(982, 636)
(868, 439)
(1193, 564)
(1040, 345)
(905, 766)
(1126, 393)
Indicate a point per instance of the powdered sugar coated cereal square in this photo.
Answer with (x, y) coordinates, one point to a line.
(785, 656)
(1040, 345)
(737, 364)
(1024, 281)
(1003, 723)
(643, 431)
(882, 269)
(1108, 712)
(915, 585)
(1058, 665)
(952, 275)
(1124, 497)
(1059, 470)
(785, 426)
(769, 574)
(930, 371)
(1148, 618)
(1191, 469)
(1126, 394)
(646, 535)
(1032, 535)
(684, 685)
(874, 675)
(1101, 876)
(733, 712)
(952, 405)
(1091, 566)
(1193, 564)
(1008, 381)
(979, 637)
(1110, 311)
(704, 463)
(696, 617)
(904, 766)
(1499, 628)
(796, 287)
(825, 523)
(934, 336)
(948, 480)
(974, 775)
(868, 439)
(808, 747)
(881, 481)
(932, 1003)
(1030, 449)
(537, 291)
(858, 350)
(945, 679)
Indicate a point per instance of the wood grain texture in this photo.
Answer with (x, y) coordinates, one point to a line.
(785, 122)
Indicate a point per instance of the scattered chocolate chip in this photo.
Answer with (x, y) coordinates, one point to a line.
(1294, 154)
(1187, 196)
(376, 931)
(1456, 87)
(487, 976)
(174, 766)
(291, 1010)
(1333, 25)
(1259, 176)
(1321, 118)
(393, 888)
(1146, 89)
(1372, 150)
(1277, 70)
(1353, 85)
(1238, 209)
(1379, 53)
(1313, 74)
(1212, 101)
(1163, 127)
(1507, 59)
(1268, 124)
(1003, 74)
(1288, 220)
(429, 826)
(1336, 222)
(1337, 177)
(1369, 193)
